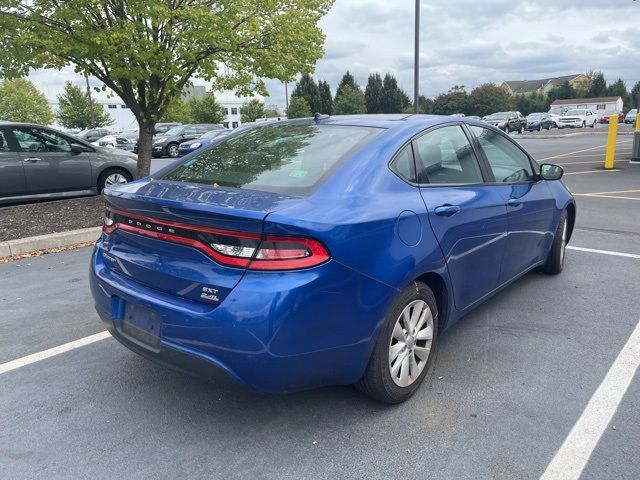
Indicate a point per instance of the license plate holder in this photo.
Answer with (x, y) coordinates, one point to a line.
(142, 326)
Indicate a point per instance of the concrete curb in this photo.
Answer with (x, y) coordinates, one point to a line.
(52, 240)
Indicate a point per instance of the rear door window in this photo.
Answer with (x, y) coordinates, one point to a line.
(445, 156)
(293, 159)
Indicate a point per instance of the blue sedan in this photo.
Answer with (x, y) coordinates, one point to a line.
(326, 251)
(202, 141)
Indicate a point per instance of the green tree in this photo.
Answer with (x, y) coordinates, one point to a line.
(635, 95)
(206, 110)
(425, 105)
(308, 89)
(252, 110)
(598, 86)
(392, 96)
(147, 51)
(350, 101)
(455, 100)
(21, 101)
(77, 110)
(298, 108)
(489, 98)
(619, 89)
(178, 111)
(562, 92)
(326, 100)
(373, 93)
(347, 81)
(272, 112)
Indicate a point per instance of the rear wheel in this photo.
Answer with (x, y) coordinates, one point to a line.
(111, 177)
(405, 348)
(555, 260)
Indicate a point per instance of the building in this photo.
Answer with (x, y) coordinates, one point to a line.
(543, 85)
(232, 103)
(599, 105)
(123, 118)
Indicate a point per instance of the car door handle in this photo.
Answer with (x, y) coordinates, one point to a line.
(32, 159)
(446, 210)
(514, 202)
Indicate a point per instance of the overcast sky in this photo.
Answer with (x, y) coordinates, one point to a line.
(466, 42)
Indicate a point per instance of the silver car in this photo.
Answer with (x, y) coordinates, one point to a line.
(39, 162)
(631, 116)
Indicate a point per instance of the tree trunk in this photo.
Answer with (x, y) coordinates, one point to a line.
(145, 148)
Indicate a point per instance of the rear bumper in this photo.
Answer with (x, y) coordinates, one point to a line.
(275, 332)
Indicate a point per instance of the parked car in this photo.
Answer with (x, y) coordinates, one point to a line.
(555, 113)
(604, 118)
(631, 116)
(474, 117)
(162, 128)
(578, 118)
(114, 141)
(39, 162)
(300, 253)
(93, 134)
(167, 144)
(202, 141)
(507, 121)
(539, 122)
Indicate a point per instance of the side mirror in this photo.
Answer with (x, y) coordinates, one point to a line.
(76, 149)
(549, 171)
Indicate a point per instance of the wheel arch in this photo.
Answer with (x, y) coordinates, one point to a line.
(112, 169)
(571, 218)
(439, 288)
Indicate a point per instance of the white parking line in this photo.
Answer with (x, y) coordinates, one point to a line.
(575, 452)
(36, 357)
(580, 151)
(603, 252)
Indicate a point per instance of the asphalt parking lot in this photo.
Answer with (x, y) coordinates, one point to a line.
(516, 390)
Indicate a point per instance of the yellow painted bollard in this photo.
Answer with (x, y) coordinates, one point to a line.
(638, 122)
(611, 142)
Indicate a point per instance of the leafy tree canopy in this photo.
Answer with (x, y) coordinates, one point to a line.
(206, 110)
(21, 101)
(452, 102)
(177, 111)
(252, 110)
(488, 98)
(298, 108)
(598, 86)
(147, 51)
(350, 101)
(77, 110)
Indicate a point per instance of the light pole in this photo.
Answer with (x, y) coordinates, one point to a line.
(416, 66)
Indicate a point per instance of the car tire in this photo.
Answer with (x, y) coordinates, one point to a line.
(539, 128)
(390, 380)
(113, 176)
(584, 124)
(521, 129)
(555, 260)
(173, 151)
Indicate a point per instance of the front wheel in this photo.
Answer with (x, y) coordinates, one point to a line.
(112, 177)
(584, 125)
(405, 348)
(555, 260)
(173, 151)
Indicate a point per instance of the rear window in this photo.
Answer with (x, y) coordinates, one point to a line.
(288, 159)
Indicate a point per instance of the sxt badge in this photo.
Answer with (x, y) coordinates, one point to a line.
(210, 294)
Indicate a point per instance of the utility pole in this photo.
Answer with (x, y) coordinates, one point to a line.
(416, 66)
(91, 112)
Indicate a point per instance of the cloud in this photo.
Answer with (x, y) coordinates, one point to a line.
(467, 42)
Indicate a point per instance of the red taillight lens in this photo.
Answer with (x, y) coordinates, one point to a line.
(233, 249)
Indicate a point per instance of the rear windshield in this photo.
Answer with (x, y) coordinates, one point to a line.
(288, 159)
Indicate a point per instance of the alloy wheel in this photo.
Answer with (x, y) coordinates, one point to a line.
(563, 244)
(114, 179)
(410, 344)
(173, 151)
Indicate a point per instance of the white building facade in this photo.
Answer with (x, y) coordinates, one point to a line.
(598, 105)
(232, 104)
(123, 118)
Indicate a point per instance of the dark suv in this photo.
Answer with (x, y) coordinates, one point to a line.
(166, 145)
(508, 121)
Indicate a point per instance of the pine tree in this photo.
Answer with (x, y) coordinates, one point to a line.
(350, 101)
(598, 86)
(347, 81)
(326, 100)
(77, 110)
(298, 108)
(373, 93)
(392, 101)
(308, 89)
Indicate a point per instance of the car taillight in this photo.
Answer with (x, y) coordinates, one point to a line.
(233, 249)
